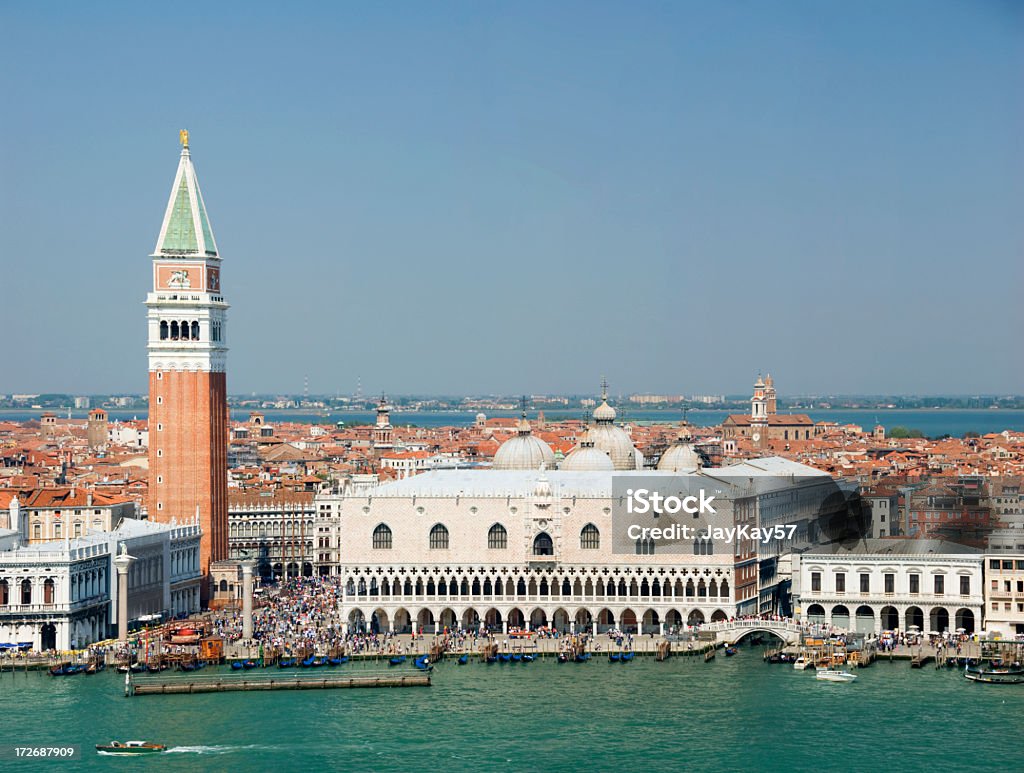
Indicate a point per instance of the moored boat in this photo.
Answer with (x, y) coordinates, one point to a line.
(984, 678)
(463, 659)
(1006, 675)
(286, 663)
(397, 660)
(730, 651)
(801, 663)
(614, 657)
(627, 656)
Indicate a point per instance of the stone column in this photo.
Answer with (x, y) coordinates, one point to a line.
(247, 566)
(122, 563)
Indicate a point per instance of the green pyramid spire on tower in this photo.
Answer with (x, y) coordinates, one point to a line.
(186, 228)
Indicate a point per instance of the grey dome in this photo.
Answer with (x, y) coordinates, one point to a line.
(524, 451)
(680, 457)
(586, 457)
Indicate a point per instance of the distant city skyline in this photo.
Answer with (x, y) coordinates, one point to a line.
(460, 199)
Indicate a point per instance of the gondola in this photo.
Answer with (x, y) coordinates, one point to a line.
(529, 658)
(247, 664)
(516, 657)
(627, 656)
(237, 665)
(317, 662)
(583, 657)
(63, 670)
(614, 657)
(396, 661)
(188, 666)
(563, 658)
(343, 660)
(491, 659)
(308, 662)
(138, 668)
(463, 659)
(505, 657)
(334, 661)
(730, 651)
(286, 663)
(95, 667)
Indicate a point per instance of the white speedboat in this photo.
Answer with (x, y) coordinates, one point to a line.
(801, 663)
(831, 675)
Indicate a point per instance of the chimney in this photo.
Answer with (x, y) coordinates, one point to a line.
(88, 499)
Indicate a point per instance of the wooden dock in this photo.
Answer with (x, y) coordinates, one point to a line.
(190, 685)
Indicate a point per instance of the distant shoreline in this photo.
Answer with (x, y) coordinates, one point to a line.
(932, 422)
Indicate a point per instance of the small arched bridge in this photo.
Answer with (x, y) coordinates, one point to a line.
(731, 631)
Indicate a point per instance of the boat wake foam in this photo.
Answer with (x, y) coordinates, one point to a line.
(211, 749)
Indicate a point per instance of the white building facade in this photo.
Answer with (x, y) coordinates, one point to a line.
(523, 549)
(883, 584)
(1004, 594)
(63, 595)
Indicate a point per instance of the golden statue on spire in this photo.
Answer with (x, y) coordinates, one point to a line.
(183, 136)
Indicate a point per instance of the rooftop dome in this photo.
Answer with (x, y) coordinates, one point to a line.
(680, 457)
(604, 412)
(612, 440)
(586, 457)
(524, 451)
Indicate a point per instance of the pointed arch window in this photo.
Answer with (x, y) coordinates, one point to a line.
(382, 537)
(439, 537)
(497, 537)
(542, 545)
(590, 537)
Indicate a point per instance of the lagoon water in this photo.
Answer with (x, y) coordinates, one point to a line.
(733, 714)
(933, 423)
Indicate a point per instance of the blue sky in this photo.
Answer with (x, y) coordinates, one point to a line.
(522, 197)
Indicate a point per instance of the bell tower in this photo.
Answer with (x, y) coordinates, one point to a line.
(382, 433)
(759, 414)
(188, 427)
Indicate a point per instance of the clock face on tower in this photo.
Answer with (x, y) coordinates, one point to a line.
(756, 436)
